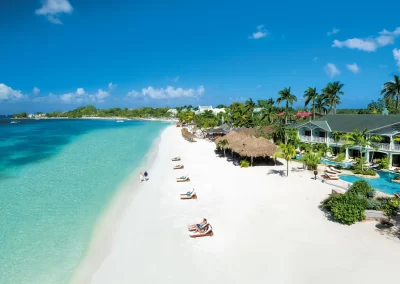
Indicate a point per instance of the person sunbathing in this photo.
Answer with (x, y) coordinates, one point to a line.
(198, 227)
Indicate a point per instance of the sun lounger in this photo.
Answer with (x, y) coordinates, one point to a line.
(176, 159)
(330, 172)
(331, 176)
(189, 195)
(208, 232)
(178, 167)
(183, 178)
(334, 170)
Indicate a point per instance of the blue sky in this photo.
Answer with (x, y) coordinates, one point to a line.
(58, 54)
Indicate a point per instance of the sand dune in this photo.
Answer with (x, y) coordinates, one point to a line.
(267, 229)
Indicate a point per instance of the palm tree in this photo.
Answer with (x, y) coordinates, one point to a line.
(311, 95)
(223, 144)
(331, 94)
(285, 95)
(363, 140)
(287, 151)
(320, 104)
(391, 91)
(336, 136)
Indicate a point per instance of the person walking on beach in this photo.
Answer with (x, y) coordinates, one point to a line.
(141, 177)
(146, 175)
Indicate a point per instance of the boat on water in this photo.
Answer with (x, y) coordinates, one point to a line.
(15, 121)
(120, 121)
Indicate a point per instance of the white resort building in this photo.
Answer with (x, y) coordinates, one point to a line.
(386, 126)
(215, 111)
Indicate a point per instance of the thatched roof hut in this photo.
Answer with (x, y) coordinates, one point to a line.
(248, 145)
(188, 135)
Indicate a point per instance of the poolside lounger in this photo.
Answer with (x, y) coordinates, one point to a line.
(178, 167)
(334, 170)
(208, 232)
(183, 178)
(176, 159)
(331, 176)
(330, 172)
(189, 195)
(194, 227)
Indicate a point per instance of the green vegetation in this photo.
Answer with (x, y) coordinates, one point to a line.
(390, 206)
(397, 177)
(349, 208)
(340, 157)
(311, 95)
(206, 119)
(383, 163)
(244, 164)
(311, 160)
(391, 91)
(286, 151)
(223, 144)
(286, 96)
(20, 115)
(366, 172)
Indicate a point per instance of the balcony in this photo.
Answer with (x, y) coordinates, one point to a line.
(383, 146)
(314, 139)
(396, 147)
(332, 141)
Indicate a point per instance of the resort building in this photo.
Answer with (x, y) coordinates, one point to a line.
(215, 111)
(385, 126)
(173, 112)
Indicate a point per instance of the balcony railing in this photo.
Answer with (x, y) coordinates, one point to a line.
(319, 139)
(305, 138)
(396, 147)
(332, 141)
(383, 146)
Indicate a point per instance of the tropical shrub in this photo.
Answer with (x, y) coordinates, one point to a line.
(244, 164)
(390, 206)
(363, 188)
(346, 208)
(366, 171)
(340, 157)
(374, 204)
(383, 163)
(397, 177)
(311, 161)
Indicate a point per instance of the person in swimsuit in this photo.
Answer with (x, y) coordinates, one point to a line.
(198, 227)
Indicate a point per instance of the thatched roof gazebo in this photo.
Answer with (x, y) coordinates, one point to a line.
(188, 135)
(248, 145)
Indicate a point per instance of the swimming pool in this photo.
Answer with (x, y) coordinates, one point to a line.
(383, 183)
(327, 162)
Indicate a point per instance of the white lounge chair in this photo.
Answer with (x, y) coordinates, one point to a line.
(176, 159)
(207, 232)
(183, 178)
(331, 176)
(330, 171)
(189, 195)
(334, 170)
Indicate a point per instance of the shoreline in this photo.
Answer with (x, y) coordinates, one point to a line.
(102, 236)
(163, 119)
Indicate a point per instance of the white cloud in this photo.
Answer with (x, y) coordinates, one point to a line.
(100, 95)
(334, 31)
(331, 70)
(36, 91)
(396, 32)
(167, 93)
(7, 93)
(396, 55)
(315, 59)
(353, 68)
(371, 43)
(357, 43)
(176, 79)
(260, 33)
(53, 9)
(111, 86)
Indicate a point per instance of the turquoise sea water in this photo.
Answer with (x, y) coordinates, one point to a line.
(383, 183)
(56, 179)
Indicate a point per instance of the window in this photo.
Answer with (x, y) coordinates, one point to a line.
(307, 132)
(322, 134)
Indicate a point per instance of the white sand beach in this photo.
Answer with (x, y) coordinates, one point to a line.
(267, 228)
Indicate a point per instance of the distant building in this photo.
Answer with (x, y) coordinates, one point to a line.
(173, 112)
(215, 111)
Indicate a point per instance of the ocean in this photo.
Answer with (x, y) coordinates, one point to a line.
(56, 179)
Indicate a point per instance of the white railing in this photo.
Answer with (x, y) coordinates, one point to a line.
(332, 141)
(396, 147)
(305, 138)
(318, 139)
(383, 146)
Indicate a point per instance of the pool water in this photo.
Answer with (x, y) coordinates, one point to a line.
(344, 165)
(383, 183)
